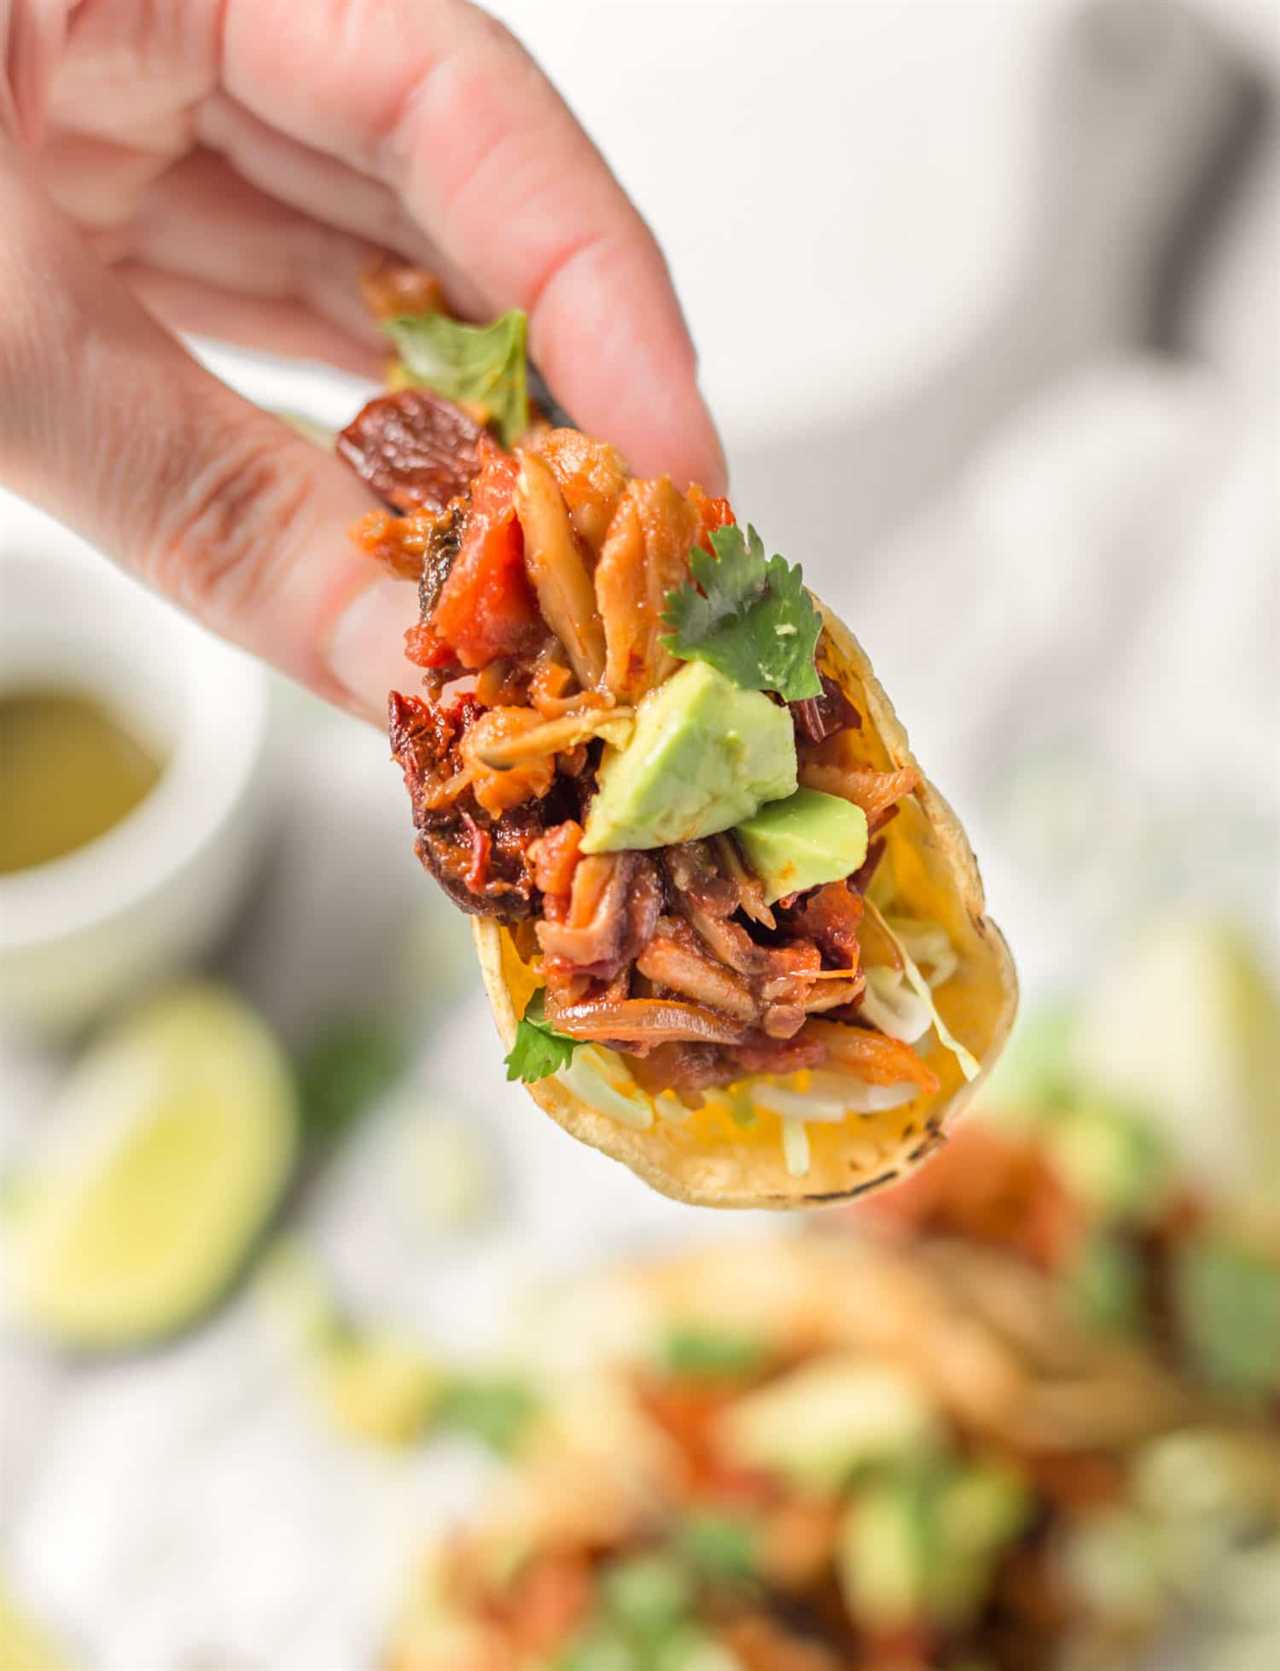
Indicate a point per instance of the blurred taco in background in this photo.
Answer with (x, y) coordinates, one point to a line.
(732, 935)
(867, 1455)
(1108, 1199)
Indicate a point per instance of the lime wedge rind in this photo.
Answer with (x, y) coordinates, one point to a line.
(170, 1146)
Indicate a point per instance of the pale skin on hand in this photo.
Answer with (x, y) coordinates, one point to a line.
(232, 168)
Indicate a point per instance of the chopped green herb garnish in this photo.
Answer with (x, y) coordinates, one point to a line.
(476, 365)
(721, 1548)
(711, 1353)
(496, 1409)
(748, 616)
(539, 1050)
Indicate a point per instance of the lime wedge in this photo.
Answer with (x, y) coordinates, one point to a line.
(170, 1143)
(24, 1646)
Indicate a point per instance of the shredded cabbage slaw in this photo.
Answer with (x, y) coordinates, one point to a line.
(899, 1002)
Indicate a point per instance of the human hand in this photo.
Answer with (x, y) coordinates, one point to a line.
(231, 167)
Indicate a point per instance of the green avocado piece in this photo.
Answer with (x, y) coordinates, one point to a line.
(1104, 1284)
(1227, 1295)
(826, 1421)
(888, 1543)
(1188, 1022)
(921, 1542)
(648, 1593)
(704, 754)
(379, 1388)
(982, 1507)
(1115, 1159)
(806, 839)
(1034, 1079)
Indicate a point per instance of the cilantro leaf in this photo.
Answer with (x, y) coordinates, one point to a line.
(539, 1050)
(477, 365)
(751, 618)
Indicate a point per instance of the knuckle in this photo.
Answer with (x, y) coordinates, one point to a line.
(227, 530)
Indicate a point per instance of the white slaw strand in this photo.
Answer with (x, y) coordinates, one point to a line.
(929, 944)
(969, 1066)
(858, 1098)
(795, 1147)
(671, 1108)
(587, 1078)
(890, 1003)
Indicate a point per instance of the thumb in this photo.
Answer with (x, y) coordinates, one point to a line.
(110, 425)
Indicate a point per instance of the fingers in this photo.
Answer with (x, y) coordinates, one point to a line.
(489, 145)
(209, 252)
(327, 189)
(265, 324)
(445, 106)
(108, 423)
(201, 220)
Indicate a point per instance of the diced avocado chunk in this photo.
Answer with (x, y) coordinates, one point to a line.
(379, 1388)
(1228, 1301)
(1189, 1022)
(822, 1422)
(807, 839)
(1105, 1283)
(887, 1546)
(1115, 1160)
(704, 755)
(648, 1593)
(983, 1506)
(1034, 1077)
(720, 1548)
(921, 1542)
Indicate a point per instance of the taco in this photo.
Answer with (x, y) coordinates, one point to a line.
(1091, 1194)
(908, 1457)
(731, 935)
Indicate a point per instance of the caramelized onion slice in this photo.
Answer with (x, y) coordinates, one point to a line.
(875, 792)
(645, 1021)
(750, 890)
(872, 1056)
(555, 566)
(558, 735)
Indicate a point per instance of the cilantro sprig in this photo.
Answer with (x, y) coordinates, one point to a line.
(748, 616)
(476, 365)
(538, 1050)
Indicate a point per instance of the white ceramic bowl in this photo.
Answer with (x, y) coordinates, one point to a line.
(82, 932)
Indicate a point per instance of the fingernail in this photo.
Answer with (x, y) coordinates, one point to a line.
(366, 651)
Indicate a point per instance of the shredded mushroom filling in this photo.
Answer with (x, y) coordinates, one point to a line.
(543, 593)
